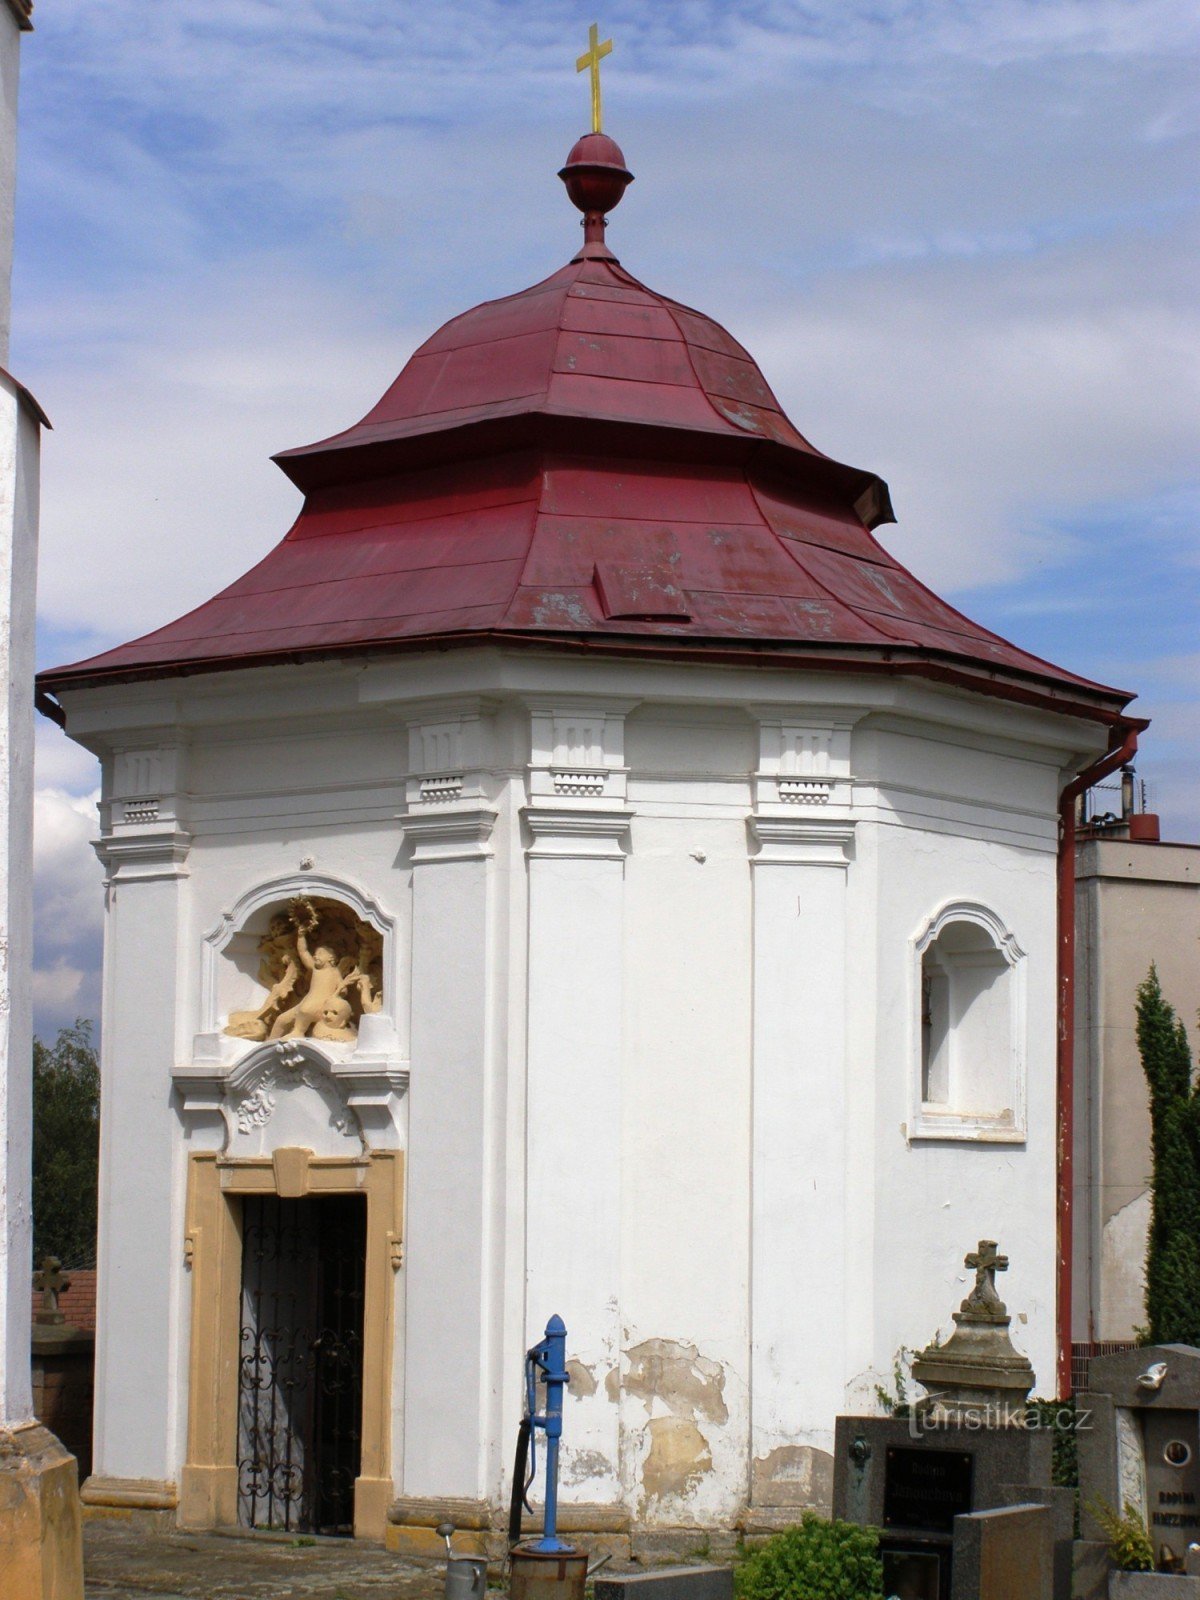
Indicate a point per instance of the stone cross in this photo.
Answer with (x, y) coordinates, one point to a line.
(591, 59)
(50, 1283)
(986, 1263)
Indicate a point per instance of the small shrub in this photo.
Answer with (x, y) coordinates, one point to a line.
(817, 1560)
(1125, 1533)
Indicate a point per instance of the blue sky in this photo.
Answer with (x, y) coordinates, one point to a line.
(960, 240)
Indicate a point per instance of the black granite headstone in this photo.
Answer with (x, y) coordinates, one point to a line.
(924, 1490)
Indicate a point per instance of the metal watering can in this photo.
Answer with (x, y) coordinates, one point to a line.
(466, 1576)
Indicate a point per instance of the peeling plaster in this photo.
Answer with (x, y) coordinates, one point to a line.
(679, 1456)
(583, 1380)
(794, 1475)
(582, 1466)
(676, 1374)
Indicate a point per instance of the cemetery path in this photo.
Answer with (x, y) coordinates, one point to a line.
(123, 1562)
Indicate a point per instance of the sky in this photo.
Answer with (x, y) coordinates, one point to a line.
(960, 241)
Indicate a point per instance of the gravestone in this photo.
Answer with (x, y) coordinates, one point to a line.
(1139, 1445)
(968, 1447)
(667, 1583)
(1005, 1554)
(910, 1477)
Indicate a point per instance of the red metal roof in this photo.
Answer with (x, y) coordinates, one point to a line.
(586, 462)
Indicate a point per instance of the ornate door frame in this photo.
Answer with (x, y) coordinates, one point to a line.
(213, 1250)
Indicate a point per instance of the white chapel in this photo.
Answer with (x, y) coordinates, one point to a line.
(577, 871)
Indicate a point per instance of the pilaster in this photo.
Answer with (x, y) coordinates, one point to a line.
(801, 835)
(448, 836)
(578, 831)
(144, 847)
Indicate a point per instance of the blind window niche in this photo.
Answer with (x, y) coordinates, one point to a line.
(969, 1076)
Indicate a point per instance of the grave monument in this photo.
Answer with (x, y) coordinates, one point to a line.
(931, 1480)
(1139, 1448)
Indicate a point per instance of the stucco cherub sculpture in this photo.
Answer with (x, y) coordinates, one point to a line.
(324, 978)
(322, 968)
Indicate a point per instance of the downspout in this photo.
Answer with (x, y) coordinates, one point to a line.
(1115, 756)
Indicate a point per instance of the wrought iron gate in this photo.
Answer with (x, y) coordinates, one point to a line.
(300, 1380)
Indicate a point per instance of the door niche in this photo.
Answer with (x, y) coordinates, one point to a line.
(300, 1375)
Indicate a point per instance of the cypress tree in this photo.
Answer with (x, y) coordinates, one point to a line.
(1173, 1256)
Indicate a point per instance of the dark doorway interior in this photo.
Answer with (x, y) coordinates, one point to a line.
(300, 1378)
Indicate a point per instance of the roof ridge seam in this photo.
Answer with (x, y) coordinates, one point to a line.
(568, 284)
(535, 510)
(670, 307)
(825, 589)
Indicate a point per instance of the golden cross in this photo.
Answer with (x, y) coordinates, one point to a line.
(592, 58)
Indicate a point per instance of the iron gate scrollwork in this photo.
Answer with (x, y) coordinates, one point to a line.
(300, 1377)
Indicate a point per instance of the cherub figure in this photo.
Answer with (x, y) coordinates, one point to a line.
(277, 972)
(325, 980)
(336, 1022)
(370, 999)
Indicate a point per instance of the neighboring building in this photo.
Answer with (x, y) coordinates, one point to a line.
(582, 840)
(1137, 901)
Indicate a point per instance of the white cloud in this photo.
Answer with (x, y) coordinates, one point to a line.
(60, 764)
(68, 909)
(997, 408)
(56, 995)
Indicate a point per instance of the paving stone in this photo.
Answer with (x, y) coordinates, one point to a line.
(126, 1563)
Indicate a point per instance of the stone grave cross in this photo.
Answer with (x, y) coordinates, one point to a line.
(50, 1282)
(986, 1262)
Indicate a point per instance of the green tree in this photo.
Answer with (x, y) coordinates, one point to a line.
(1173, 1256)
(66, 1144)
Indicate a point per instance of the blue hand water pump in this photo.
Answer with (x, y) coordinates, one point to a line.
(549, 1361)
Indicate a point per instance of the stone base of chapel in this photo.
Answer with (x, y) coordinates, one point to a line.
(41, 1540)
(145, 1503)
(602, 1530)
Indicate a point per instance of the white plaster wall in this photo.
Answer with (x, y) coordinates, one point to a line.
(667, 1066)
(138, 1345)
(946, 1195)
(686, 1114)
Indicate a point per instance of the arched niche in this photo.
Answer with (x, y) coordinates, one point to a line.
(234, 952)
(968, 1027)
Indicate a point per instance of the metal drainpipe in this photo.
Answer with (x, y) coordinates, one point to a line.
(1115, 756)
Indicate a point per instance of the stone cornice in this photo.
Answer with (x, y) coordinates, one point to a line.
(561, 832)
(808, 840)
(449, 835)
(145, 856)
